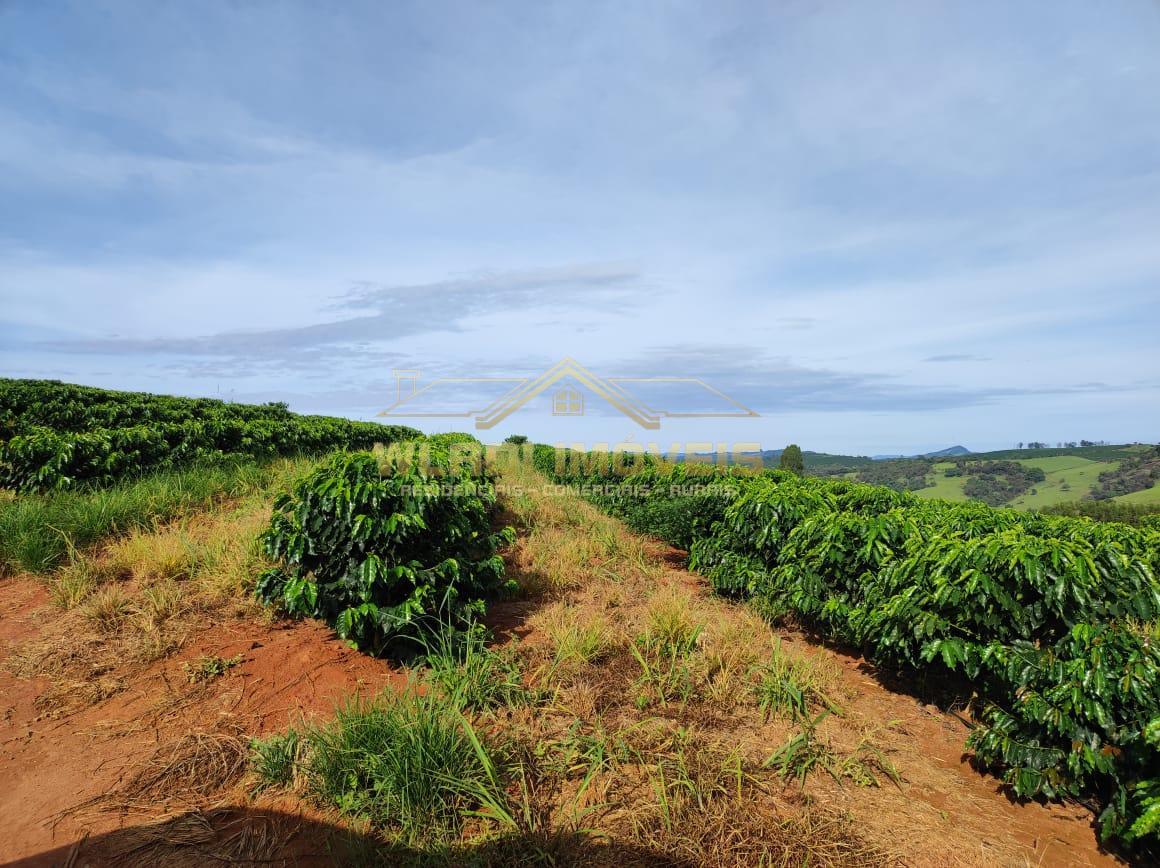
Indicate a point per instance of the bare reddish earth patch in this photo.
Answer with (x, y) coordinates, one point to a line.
(49, 767)
(944, 790)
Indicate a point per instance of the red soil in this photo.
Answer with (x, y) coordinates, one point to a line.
(50, 769)
(49, 766)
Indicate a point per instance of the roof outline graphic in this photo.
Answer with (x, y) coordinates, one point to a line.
(524, 389)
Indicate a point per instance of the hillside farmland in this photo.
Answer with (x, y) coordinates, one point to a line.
(1069, 475)
(435, 652)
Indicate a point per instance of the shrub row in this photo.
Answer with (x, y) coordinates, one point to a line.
(1140, 514)
(384, 549)
(1052, 620)
(57, 435)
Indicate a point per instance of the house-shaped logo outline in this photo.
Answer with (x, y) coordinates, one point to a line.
(524, 389)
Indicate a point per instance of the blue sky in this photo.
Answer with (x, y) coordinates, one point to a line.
(884, 226)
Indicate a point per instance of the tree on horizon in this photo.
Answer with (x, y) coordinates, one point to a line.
(791, 459)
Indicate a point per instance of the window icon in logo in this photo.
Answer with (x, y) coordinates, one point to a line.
(567, 402)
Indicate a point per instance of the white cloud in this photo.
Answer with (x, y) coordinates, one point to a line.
(847, 190)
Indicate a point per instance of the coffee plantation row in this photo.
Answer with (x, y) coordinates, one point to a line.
(389, 547)
(55, 436)
(1050, 621)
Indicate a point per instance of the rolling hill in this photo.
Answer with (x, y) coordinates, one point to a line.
(1069, 473)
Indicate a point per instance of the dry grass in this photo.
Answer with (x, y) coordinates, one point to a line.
(727, 833)
(730, 651)
(213, 554)
(199, 838)
(72, 584)
(672, 625)
(577, 638)
(712, 808)
(157, 604)
(139, 598)
(63, 696)
(652, 719)
(198, 764)
(185, 772)
(107, 609)
(567, 542)
(790, 685)
(154, 556)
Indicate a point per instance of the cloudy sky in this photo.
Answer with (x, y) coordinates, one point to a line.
(885, 227)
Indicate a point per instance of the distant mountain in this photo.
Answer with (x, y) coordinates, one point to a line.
(949, 452)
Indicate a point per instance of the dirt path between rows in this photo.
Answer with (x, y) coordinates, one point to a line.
(945, 811)
(66, 780)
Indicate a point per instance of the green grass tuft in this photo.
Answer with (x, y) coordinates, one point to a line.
(410, 764)
(275, 759)
(38, 532)
(471, 675)
(790, 686)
